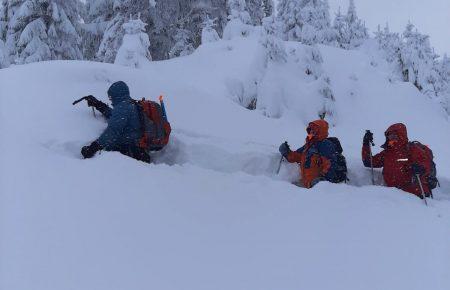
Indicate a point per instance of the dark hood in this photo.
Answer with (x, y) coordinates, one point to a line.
(119, 92)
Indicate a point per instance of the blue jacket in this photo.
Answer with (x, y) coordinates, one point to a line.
(324, 148)
(124, 126)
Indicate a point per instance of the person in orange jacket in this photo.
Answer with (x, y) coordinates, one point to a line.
(318, 158)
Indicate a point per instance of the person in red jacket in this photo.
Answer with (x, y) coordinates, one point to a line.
(317, 158)
(400, 160)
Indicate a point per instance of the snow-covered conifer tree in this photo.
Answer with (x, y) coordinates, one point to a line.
(113, 32)
(46, 29)
(134, 51)
(209, 34)
(255, 9)
(183, 44)
(390, 43)
(417, 59)
(307, 21)
(4, 57)
(328, 109)
(275, 50)
(351, 31)
(8, 9)
(313, 61)
(340, 26)
(356, 29)
(99, 14)
(268, 7)
(238, 20)
(168, 16)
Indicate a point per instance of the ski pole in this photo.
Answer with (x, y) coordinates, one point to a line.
(421, 189)
(281, 160)
(371, 159)
(163, 108)
(279, 165)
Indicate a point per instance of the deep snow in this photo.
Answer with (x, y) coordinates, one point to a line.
(211, 213)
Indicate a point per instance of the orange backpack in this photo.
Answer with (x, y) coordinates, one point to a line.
(155, 127)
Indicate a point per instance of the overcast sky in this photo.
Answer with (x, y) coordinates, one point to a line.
(431, 17)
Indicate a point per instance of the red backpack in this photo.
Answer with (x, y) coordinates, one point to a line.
(156, 129)
(425, 156)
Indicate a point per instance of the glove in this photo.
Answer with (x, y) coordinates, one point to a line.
(368, 138)
(417, 169)
(89, 151)
(92, 101)
(284, 149)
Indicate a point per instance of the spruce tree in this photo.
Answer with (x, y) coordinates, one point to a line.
(390, 43)
(134, 51)
(268, 7)
(4, 57)
(255, 9)
(40, 30)
(306, 21)
(113, 32)
(209, 34)
(10, 36)
(356, 31)
(417, 58)
(238, 19)
(183, 44)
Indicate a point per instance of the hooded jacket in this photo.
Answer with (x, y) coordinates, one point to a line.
(317, 158)
(124, 127)
(396, 160)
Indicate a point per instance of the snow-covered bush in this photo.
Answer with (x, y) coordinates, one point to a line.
(134, 51)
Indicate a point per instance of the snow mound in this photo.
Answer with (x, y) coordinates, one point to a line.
(211, 213)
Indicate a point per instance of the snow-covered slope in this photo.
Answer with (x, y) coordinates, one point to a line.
(211, 213)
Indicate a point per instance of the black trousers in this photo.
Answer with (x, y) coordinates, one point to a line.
(136, 153)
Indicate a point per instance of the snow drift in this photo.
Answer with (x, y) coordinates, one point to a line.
(211, 213)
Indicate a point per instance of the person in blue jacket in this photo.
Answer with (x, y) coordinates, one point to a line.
(124, 126)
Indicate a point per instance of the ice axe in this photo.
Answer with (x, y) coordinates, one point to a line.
(82, 99)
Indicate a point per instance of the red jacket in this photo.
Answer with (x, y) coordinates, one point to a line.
(396, 161)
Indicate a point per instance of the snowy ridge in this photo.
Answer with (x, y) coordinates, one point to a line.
(211, 213)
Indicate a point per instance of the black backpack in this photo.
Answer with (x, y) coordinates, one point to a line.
(341, 164)
(428, 163)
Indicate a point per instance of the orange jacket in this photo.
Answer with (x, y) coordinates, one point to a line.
(315, 157)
